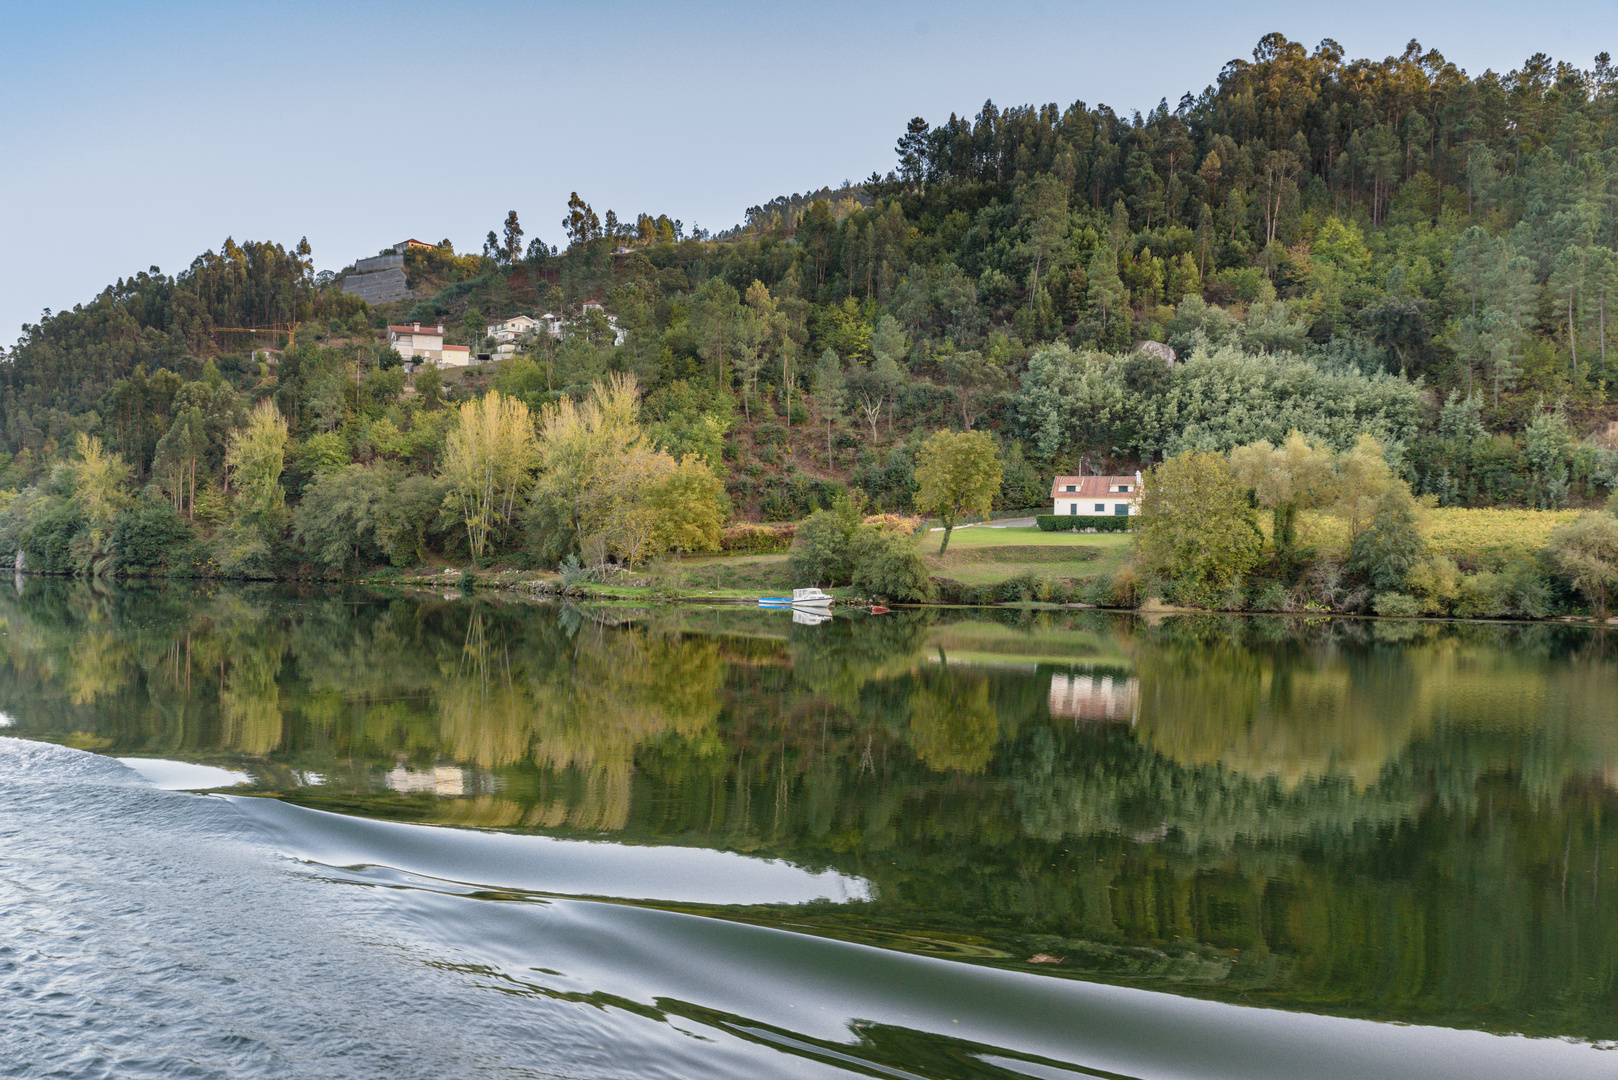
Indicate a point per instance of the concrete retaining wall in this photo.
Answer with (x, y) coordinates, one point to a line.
(377, 288)
(379, 262)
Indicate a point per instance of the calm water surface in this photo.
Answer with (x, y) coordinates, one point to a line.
(252, 833)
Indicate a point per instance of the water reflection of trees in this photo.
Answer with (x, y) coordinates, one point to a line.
(1407, 822)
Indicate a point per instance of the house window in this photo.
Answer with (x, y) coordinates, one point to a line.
(1101, 508)
(1070, 487)
(1123, 487)
(1120, 510)
(1072, 508)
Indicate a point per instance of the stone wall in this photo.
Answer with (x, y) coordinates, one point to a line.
(379, 262)
(378, 287)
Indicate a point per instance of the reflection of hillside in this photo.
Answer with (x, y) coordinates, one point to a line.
(1304, 815)
(1294, 714)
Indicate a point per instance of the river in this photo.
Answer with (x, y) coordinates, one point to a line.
(263, 832)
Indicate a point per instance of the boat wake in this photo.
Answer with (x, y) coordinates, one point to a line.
(157, 933)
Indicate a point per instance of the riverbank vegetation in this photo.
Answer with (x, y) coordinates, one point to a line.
(1391, 253)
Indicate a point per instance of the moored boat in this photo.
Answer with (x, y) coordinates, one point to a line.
(811, 598)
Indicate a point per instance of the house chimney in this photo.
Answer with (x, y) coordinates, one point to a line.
(416, 327)
(440, 328)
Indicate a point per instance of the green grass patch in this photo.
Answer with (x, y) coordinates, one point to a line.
(1018, 553)
(979, 556)
(755, 574)
(978, 536)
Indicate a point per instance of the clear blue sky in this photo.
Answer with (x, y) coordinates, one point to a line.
(134, 135)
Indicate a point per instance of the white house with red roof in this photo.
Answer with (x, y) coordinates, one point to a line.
(417, 342)
(1096, 496)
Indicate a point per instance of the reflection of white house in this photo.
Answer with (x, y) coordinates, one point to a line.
(1098, 698)
(417, 342)
(442, 780)
(1096, 496)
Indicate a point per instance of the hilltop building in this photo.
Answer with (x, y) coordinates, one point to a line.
(381, 278)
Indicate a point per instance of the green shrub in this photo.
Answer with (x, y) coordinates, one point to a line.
(886, 565)
(48, 540)
(1436, 584)
(950, 591)
(1062, 591)
(1271, 596)
(146, 538)
(822, 548)
(1518, 592)
(1083, 523)
(1240, 283)
(1019, 589)
(1099, 591)
(1386, 552)
(1395, 605)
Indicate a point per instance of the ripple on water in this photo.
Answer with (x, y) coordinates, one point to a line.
(150, 933)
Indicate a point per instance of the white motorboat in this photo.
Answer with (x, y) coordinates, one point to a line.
(800, 598)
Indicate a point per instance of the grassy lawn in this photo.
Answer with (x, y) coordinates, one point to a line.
(978, 536)
(753, 575)
(976, 556)
(979, 556)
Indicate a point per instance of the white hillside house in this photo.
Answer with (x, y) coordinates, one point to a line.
(1096, 496)
(509, 334)
(415, 342)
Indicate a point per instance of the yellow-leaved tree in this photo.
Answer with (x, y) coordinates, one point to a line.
(602, 489)
(98, 486)
(255, 457)
(585, 456)
(1363, 478)
(1196, 529)
(488, 457)
(1297, 475)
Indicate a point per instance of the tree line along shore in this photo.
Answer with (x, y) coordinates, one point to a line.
(1337, 311)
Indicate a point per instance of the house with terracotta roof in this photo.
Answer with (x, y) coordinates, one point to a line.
(415, 342)
(1096, 496)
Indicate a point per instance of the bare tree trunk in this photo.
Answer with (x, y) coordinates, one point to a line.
(1572, 334)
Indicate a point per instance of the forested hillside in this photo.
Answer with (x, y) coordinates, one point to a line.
(1340, 247)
